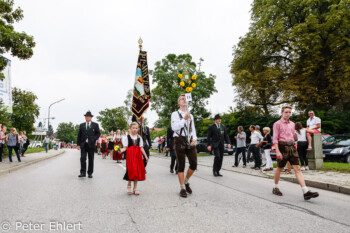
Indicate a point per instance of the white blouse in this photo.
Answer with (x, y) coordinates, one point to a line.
(126, 141)
(302, 135)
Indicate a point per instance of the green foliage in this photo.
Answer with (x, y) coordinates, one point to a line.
(50, 130)
(18, 43)
(166, 92)
(67, 132)
(155, 134)
(128, 103)
(113, 119)
(4, 115)
(202, 126)
(295, 51)
(25, 110)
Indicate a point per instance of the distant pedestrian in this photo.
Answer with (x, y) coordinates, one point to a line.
(13, 143)
(163, 144)
(26, 144)
(104, 146)
(283, 139)
(240, 147)
(313, 124)
(159, 144)
(2, 140)
(171, 150)
(266, 144)
(216, 138)
(47, 143)
(300, 136)
(254, 145)
(88, 133)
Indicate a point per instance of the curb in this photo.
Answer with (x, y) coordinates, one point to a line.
(311, 183)
(12, 169)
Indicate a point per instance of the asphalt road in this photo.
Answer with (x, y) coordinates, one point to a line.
(50, 192)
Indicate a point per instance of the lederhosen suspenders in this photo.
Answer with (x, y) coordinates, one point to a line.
(184, 129)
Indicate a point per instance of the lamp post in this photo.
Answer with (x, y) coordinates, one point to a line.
(48, 118)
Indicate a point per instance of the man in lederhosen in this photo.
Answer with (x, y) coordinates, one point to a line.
(182, 124)
(217, 135)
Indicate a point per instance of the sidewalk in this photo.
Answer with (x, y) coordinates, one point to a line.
(332, 181)
(7, 167)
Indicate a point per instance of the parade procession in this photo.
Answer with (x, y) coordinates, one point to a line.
(236, 119)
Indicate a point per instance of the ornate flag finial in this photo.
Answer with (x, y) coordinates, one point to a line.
(140, 43)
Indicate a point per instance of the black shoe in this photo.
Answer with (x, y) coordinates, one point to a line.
(188, 189)
(219, 174)
(277, 192)
(183, 193)
(215, 174)
(309, 195)
(90, 176)
(171, 171)
(82, 175)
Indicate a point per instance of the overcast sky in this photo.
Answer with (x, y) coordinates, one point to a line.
(86, 51)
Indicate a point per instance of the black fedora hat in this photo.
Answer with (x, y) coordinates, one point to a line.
(217, 116)
(88, 113)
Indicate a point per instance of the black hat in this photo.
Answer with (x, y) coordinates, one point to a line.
(88, 113)
(217, 116)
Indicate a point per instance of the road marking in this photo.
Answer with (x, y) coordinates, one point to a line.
(122, 166)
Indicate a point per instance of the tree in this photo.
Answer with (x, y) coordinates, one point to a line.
(165, 94)
(302, 49)
(18, 43)
(67, 132)
(49, 131)
(4, 115)
(113, 119)
(25, 110)
(128, 103)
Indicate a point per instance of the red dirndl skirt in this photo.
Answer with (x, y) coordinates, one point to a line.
(135, 169)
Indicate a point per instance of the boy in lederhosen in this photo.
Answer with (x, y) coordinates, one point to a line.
(180, 120)
(283, 139)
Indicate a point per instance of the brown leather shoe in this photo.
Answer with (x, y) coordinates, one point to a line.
(277, 192)
(309, 195)
(183, 193)
(188, 189)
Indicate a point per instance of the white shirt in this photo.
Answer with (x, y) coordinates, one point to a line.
(302, 135)
(126, 141)
(255, 137)
(312, 123)
(177, 124)
(47, 140)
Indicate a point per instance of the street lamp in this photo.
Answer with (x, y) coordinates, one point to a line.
(48, 119)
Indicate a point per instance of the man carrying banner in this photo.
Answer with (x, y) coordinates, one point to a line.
(182, 124)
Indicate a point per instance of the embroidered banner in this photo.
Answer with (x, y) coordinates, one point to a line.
(142, 91)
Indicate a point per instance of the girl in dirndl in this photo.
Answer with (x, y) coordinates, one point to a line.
(104, 146)
(135, 168)
(118, 155)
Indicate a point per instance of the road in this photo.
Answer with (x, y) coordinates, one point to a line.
(50, 192)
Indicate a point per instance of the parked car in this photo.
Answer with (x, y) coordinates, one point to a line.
(324, 138)
(337, 148)
(35, 144)
(202, 147)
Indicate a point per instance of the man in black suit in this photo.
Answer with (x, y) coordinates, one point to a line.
(216, 138)
(88, 133)
(170, 148)
(146, 137)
